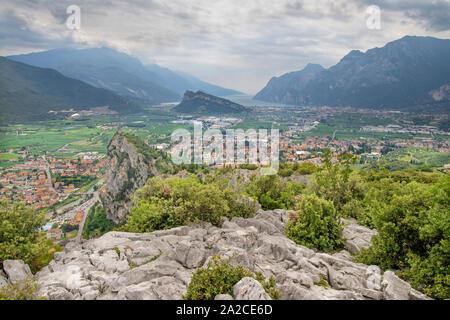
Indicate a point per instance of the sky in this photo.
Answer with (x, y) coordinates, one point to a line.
(235, 44)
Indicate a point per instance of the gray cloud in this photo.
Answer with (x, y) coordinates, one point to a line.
(238, 44)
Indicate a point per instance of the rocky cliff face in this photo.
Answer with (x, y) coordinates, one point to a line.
(160, 265)
(127, 170)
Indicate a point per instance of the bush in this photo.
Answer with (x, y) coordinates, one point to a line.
(19, 235)
(316, 225)
(274, 193)
(414, 232)
(97, 223)
(220, 276)
(46, 256)
(173, 202)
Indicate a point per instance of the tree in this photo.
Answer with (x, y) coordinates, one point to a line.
(414, 231)
(274, 193)
(20, 237)
(333, 182)
(316, 225)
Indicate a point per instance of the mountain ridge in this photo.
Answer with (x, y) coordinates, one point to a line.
(401, 74)
(29, 93)
(116, 71)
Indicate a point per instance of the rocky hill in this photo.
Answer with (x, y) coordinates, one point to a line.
(160, 265)
(130, 163)
(202, 103)
(404, 73)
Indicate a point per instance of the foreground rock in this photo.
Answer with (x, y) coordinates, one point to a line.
(159, 265)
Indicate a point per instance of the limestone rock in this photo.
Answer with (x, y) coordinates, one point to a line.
(395, 288)
(17, 271)
(160, 265)
(357, 237)
(249, 289)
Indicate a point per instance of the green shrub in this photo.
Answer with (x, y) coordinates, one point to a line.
(413, 223)
(274, 193)
(45, 257)
(97, 224)
(173, 202)
(220, 276)
(19, 235)
(316, 225)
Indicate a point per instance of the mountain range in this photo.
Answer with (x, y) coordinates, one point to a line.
(120, 73)
(405, 73)
(28, 93)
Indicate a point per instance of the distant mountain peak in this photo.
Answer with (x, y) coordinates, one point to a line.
(313, 67)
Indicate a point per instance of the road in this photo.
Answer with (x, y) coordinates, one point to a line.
(49, 176)
(87, 206)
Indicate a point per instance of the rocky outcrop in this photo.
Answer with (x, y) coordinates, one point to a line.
(159, 265)
(357, 237)
(127, 170)
(249, 289)
(15, 272)
(200, 102)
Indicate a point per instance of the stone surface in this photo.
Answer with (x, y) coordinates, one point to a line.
(249, 289)
(395, 288)
(16, 271)
(3, 279)
(160, 265)
(357, 237)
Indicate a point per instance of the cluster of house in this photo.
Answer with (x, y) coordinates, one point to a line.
(31, 187)
(75, 167)
(29, 181)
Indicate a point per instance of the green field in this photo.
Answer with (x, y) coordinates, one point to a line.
(419, 156)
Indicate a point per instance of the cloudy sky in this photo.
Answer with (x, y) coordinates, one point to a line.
(238, 44)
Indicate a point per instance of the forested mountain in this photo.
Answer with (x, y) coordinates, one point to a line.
(29, 93)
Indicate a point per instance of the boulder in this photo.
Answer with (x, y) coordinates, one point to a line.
(249, 289)
(395, 288)
(17, 271)
(357, 237)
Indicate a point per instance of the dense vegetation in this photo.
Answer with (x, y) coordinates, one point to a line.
(220, 276)
(97, 223)
(315, 225)
(20, 238)
(172, 202)
(409, 209)
(273, 192)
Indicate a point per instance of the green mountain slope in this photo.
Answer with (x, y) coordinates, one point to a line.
(29, 93)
